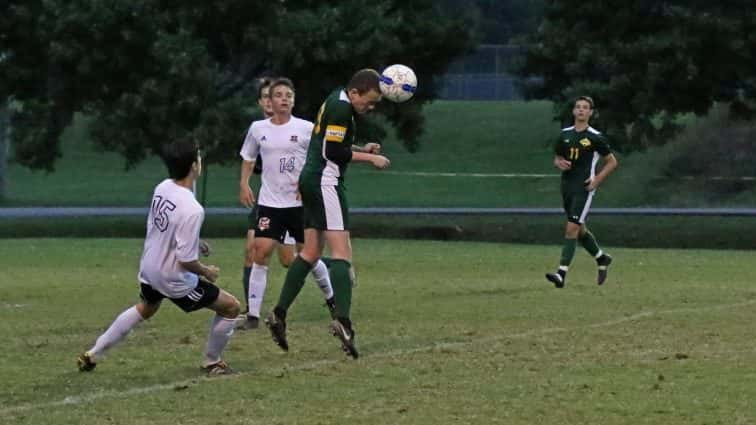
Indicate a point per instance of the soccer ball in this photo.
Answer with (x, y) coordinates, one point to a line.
(398, 83)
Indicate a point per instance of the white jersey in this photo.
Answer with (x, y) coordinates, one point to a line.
(173, 228)
(283, 149)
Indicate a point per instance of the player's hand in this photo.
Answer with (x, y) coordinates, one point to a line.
(590, 184)
(211, 273)
(204, 248)
(380, 162)
(562, 163)
(374, 148)
(246, 197)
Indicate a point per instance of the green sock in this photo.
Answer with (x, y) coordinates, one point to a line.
(342, 287)
(568, 251)
(295, 279)
(245, 282)
(327, 261)
(588, 241)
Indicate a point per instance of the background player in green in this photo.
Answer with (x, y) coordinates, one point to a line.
(576, 153)
(326, 212)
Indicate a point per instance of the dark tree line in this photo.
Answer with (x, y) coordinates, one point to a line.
(646, 62)
(147, 71)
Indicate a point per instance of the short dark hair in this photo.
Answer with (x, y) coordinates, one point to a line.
(585, 98)
(179, 156)
(261, 84)
(365, 80)
(282, 81)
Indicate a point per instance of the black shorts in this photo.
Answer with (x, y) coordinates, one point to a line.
(273, 223)
(202, 296)
(577, 203)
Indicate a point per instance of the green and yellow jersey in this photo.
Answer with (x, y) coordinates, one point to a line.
(583, 149)
(329, 152)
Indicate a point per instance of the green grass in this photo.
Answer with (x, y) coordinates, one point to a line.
(463, 333)
(487, 138)
(462, 138)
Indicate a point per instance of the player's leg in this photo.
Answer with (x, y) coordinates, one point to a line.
(295, 225)
(287, 250)
(269, 232)
(337, 237)
(249, 254)
(226, 309)
(295, 278)
(121, 326)
(576, 205)
(603, 260)
(258, 280)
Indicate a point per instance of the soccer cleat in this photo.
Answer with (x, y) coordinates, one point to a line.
(85, 362)
(556, 279)
(346, 336)
(330, 303)
(603, 268)
(247, 323)
(277, 328)
(217, 368)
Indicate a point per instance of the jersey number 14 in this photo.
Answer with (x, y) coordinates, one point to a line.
(286, 165)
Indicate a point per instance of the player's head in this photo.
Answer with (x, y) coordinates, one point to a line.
(281, 96)
(582, 109)
(182, 157)
(263, 95)
(364, 91)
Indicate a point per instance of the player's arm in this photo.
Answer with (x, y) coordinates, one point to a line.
(249, 153)
(246, 196)
(187, 247)
(339, 152)
(560, 161)
(367, 147)
(610, 164)
(208, 272)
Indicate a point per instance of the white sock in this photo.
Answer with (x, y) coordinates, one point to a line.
(258, 280)
(221, 330)
(121, 326)
(323, 279)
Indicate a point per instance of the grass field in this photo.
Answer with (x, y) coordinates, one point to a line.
(466, 333)
(467, 158)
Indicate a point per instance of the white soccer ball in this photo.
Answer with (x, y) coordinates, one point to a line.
(398, 83)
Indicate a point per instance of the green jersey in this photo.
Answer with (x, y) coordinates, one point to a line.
(335, 126)
(582, 149)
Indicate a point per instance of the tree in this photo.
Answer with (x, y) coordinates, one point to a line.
(645, 62)
(147, 71)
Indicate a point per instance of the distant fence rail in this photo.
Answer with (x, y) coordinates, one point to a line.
(51, 212)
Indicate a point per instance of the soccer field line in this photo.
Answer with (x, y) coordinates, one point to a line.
(179, 385)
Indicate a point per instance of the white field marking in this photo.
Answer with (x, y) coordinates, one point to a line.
(6, 305)
(89, 398)
(540, 176)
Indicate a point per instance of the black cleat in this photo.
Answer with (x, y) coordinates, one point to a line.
(247, 323)
(277, 328)
(217, 368)
(556, 279)
(85, 362)
(330, 303)
(346, 336)
(603, 268)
